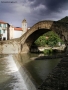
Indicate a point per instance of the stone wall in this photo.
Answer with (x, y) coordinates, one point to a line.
(10, 46)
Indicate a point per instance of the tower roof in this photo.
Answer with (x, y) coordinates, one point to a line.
(24, 20)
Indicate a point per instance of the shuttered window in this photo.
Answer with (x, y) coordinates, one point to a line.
(0, 31)
(4, 25)
(3, 31)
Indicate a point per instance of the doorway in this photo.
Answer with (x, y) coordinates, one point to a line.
(4, 38)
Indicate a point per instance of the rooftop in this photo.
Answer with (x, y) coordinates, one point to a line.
(3, 22)
(18, 28)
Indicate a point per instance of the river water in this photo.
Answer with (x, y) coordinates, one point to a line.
(10, 77)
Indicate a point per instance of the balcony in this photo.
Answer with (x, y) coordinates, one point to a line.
(4, 28)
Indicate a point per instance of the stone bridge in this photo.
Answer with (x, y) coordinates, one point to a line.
(24, 43)
(40, 28)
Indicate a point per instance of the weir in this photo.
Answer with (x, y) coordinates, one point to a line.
(29, 81)
(10, 77)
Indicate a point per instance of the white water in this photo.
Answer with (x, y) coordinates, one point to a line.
(10, 77)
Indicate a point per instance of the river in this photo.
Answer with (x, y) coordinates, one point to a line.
(10, 77)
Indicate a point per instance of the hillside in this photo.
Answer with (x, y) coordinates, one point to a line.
(65, 19)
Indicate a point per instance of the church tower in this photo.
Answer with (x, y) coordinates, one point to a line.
(24, 26)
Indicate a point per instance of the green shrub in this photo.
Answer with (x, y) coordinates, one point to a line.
(48, 51)
(52, 40)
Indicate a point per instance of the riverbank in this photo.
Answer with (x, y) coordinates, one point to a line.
(59, 55)
(58, 78)
(57, 48)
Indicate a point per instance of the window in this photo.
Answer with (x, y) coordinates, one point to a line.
(3, 31)
(4, 25)
(0, 31)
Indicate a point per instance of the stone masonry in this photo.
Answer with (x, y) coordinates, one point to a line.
(10, 46)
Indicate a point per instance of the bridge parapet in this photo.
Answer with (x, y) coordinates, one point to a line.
(43, 24)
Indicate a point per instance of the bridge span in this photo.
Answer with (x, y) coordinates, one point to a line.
(24, 43)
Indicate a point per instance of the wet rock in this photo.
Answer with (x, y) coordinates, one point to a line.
(58, 78)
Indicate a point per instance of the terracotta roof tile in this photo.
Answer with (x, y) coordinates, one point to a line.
(18, 28)
(3, 22)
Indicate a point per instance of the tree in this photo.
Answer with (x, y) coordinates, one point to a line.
(65, 19)
(50, 38)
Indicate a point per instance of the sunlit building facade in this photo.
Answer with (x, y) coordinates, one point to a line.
(8, 31)
(4, 30)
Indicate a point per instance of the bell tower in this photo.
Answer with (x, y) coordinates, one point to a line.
(24, 26)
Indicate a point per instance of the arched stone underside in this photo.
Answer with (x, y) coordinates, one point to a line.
(40, 28)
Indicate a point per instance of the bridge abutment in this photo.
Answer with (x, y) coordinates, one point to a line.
(25, 48)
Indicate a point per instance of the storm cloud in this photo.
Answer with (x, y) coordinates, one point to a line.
(52, 5)
(33, 11)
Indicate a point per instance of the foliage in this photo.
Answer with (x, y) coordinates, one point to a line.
(48, 51)
(65, 19)
(41, 41)
(52, 39)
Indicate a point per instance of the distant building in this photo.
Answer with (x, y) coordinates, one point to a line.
(16, 32)
(10, 32)
(4, 30)
(24, 26)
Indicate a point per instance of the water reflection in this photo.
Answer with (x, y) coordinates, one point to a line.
(38, 69)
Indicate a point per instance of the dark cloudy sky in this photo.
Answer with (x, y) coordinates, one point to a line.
(14, 11)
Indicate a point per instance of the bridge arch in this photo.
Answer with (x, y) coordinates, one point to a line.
(40, 28)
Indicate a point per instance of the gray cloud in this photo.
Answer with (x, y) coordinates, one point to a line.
(52, 10)
(52, 5)
(33, 11)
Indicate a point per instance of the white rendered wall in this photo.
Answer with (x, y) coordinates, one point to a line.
(11, 32)
(17, 34)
